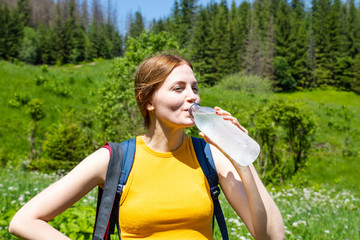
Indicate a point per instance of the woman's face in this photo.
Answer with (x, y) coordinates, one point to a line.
(172, 99)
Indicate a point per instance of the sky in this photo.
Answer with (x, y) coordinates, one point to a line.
(149, 9)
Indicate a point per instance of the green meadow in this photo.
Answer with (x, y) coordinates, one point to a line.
(321, 201)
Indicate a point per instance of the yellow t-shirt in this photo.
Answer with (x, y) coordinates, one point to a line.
(166, 196)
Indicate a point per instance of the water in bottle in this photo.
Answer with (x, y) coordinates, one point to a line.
(232, 140)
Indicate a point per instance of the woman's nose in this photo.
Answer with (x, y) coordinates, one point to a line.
(192, 96)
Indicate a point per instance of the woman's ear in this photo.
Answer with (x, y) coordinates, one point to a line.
(150, 107)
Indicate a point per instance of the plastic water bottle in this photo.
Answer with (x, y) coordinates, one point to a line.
(232, 140)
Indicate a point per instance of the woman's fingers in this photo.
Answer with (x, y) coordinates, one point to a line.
(227, 116)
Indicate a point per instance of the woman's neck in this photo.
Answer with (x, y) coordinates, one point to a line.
(163, 140)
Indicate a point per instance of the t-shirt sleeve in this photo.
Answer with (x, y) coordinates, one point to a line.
(108, 147)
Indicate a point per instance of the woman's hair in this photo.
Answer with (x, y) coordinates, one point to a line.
(150, 74)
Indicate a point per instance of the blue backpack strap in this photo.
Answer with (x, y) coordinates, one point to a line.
(107, 196)
(128, 156)
(121, 161)
(204, 156)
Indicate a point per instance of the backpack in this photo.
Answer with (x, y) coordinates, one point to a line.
(122, 157)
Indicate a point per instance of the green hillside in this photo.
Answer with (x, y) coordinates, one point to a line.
(334, 152)
(61, 89)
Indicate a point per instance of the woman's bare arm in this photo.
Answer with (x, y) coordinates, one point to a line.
(249, 198)
(246, 193)
(31, 221)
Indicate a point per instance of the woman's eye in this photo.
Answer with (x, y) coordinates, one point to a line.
(178, 89)
(195, 89)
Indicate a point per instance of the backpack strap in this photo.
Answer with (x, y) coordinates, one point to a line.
(106, 197)
(204, 156)
(118, 171)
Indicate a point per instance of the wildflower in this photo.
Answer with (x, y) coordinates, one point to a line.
(295, 224)
(21, 198)
(327, 231)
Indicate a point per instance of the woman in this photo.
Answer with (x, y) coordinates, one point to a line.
(151, 206)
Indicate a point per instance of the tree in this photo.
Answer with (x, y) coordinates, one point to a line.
(63, 41)
(238, 30)
(201, 48)
(323, 34)
(11, 32)
(221, 41)
(24, 11)
(299, 58)
(77, 35)
(186, 17)
(136, 27)
(29, 47)
(284, 81)
(355, 83)
(46, 44)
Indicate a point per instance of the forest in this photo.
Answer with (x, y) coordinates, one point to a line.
(295, 45)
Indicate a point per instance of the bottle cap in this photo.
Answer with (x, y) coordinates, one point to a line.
(192, 106)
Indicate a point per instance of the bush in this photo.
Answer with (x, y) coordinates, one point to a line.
(66, 145)
(251, 84)
(285, 132)
(19, 99)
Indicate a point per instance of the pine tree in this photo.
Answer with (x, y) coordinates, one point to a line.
(298, 57)
(283, 30)
(235, 43)
(353, 29)
(12, 32)
(321, 11)
(221, 41)
(4, 21)
(24, 10)
(252, 56)
(243, 22)
(187, 12)
(63, 34)
(77, 35)
(355, 83)
(137, 27)
(46, 44)
(201, 48)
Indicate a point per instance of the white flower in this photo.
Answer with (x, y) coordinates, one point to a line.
(327, 231)
(21, 198)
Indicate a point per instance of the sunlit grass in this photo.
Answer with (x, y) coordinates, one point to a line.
(308, 212)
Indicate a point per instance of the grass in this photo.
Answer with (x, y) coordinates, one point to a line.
(334, 157)
(308, 213)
